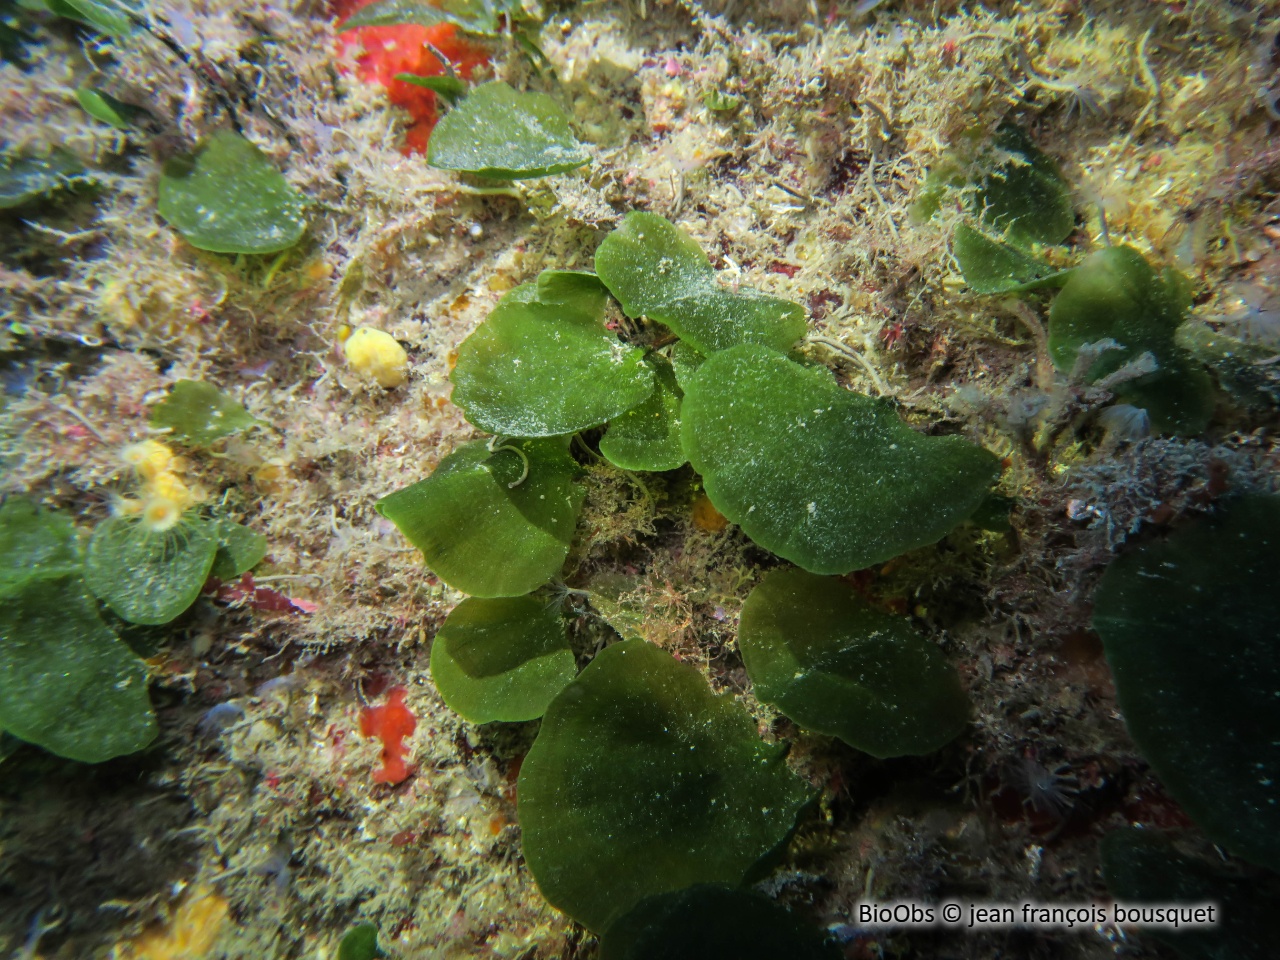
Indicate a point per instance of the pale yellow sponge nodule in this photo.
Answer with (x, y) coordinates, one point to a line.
(376, 354)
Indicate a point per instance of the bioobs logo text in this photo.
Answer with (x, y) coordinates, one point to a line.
(1030, 914)
(897, 914)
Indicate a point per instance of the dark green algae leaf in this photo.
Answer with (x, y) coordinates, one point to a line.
(227, 197)
(685, 361)
(543, 364)
(576, 290)
(498, 132)
(1144, 866)
(451, 88)
(502, 659)
(483, 536)
(1114, 294)
(829, 479)
(35, 544)
(1191, 629)
(832, 663)
(647, 437)
(992, 266)
(200, 413)
(28, 176)
(360, 943)
(67, 683)
(617, 598)
(148, 576)
(1023, 194)
(108, 109)
(1021, 199)
(710, 922)
(240, 549)
(109, 17)
(642, 781)
(657, 270)
(1242, 367)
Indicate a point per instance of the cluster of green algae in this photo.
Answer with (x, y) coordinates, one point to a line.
(72, 684)
(1134, 270)
(723, 416)
(636, 754)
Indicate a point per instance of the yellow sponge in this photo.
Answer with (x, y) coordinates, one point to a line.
(376, 354)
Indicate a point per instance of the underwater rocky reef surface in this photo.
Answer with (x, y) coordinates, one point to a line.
(840, 439)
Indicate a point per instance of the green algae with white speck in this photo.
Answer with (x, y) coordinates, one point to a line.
(1191, 629)
(643, 781)
(829, 479)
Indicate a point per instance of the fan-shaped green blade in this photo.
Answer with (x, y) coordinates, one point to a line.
(67, 683)
(228, 197)
(643, 781)
(655, 269)
(502, 659)
(1191, 628)
(496, 131)
(148, 576)
(543, 364)
(834, 664)
(831, 480)
(481, 528)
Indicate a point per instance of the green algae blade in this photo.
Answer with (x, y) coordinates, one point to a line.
(498, 132)
(655, 269)
(451, 88)
(1189, 626)
(67, 683)
(831, 480)
(200, 413)
(1114, 294)
(1024, 195)
(991, 266)
(615, 597)
(109, 17)
(27, 176)
(104, 107)
(1143, 866)
(685, 361)
(502, 659)
(482, 529)
(642, 781)
(832, 663)
(227, 197)
(647, 437)
(240, 549)
(1243, 367)
(360, 943)
(147, 576)
(543, 364)
(35, 544)
(710, 922)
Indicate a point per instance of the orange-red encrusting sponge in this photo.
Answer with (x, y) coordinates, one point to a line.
(403, 49)
(391, 723)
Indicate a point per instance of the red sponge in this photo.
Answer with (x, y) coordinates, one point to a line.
(391, 723)
(403, 49)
